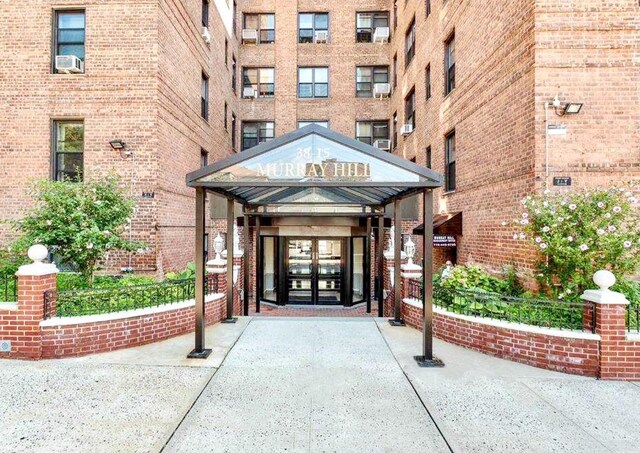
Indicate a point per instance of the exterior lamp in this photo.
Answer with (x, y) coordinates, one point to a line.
(572, 108)
(218, 246)
(410, 250)
(118, 144)
(569, 108)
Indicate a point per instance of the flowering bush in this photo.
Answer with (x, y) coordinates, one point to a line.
(80, 222)
(579, 233)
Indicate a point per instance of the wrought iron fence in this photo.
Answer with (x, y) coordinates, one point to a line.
(633, 318)
(110, 300)
(8, 288)
(414, 291)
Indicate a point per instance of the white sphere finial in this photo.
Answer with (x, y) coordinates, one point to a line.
(37, 253)
(604, 279)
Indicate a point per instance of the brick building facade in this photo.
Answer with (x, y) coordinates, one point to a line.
(483, 70)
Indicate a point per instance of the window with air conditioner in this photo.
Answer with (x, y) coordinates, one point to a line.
(368, 23)
(313, 82)
(258, 82)
(372, 81)
(259, 27)
(374, 133)
(256, 132)
(410, 111)
(313, 27)
(68, 150)
(69, 45)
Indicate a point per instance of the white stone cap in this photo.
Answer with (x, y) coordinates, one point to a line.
(37, 253)
(605, 280)
(411, 267)
(389, 254)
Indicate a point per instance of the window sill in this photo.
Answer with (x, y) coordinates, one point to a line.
(449, 192)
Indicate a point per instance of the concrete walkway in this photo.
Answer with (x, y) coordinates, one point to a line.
(346, 385)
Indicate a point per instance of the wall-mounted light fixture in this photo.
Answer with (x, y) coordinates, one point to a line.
(569, 108)
(118, 144)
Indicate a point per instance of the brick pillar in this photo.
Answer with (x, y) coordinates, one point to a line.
(610, 308)
(21, 324)
(239, 286)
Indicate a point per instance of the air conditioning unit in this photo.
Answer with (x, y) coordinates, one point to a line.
(249, 92)
(406, 129)
(250, 35)
(69, 64)
(381, 89)
(381, 35)
(322, 36)
(383, 144)
(206, 35)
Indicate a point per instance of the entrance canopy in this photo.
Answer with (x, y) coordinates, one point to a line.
(314, 165)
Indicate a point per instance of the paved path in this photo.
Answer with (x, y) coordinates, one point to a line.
(287, 384)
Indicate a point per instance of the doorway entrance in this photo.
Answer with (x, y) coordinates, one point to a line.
(315, 271)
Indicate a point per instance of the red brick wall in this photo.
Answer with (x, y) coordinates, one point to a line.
(91, 338)
(620, 359)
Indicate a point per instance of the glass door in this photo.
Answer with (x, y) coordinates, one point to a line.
(300, 271)
(330, 266)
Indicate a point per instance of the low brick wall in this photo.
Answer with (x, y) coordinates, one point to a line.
(68, 337)
(565, 351)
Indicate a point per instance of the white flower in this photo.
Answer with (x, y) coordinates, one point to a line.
(504, 223)
(570, 238)
(569, 291)
(543, 246)
(607, 216)
(515, 236)
(584, 247)
(560, 296)
(545, 229)
(525, 215)
(49, 222)
(632, 200)
(621, 189)
(107, 232)
(560, 219)
(628, 194)
(572, 207)
(538, 239)
(617, 209)
(547, 191)
(600, 231)
(545, 203)
(600, 204)
(523, 236)
(98, 202)
(140, 250)
(524, 222)
(537, 211)
(90, 245)
(612, 229)
(627, 244)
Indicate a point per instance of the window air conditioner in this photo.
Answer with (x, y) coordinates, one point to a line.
(381, 35)
(250, 35)
(406, 129)
(322, 36)
(249, 92)
(382, 144)
(381, 89)
(206, 35)
(69, 64)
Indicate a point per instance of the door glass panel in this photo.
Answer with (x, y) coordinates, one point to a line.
(329, 271)
(358, 270)
(269, 281)
(300, 271)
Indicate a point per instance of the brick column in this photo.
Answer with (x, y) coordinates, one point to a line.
(239, 287)
(21, 325)
(610, 308)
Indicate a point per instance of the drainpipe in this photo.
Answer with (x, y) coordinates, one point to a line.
(546, 143)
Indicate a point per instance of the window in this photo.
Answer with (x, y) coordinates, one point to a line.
(205, 13)
(395, 70)
(235, 17)
(69, 33)
(265, 24)
(313, 82)
(410, 43)
(428, 157)
(226, 52)
(226, 109)
(395, 129)
(233, 132)
(427, 8)
(262, 80)
(367, 77)
(254, 133)
(410, 108)
(302, 124)
(68, 149)
(427, 82)
(450, 161)
(204, 97)
(370, 131)
(395, 14)
(449, 65)
(234, 70)
(366, 24)
(204, 157)
(311, 23)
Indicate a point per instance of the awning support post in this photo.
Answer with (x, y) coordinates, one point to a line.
(397, 257)
(380, 273)
(247, 263)
(427, 360)
(367, 266)
(258, 260)
(230, 209)
(199, 352)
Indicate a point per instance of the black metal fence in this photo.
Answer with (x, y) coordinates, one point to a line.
(536, 312)
(8, 288)
(633, 318)
(111, 300)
